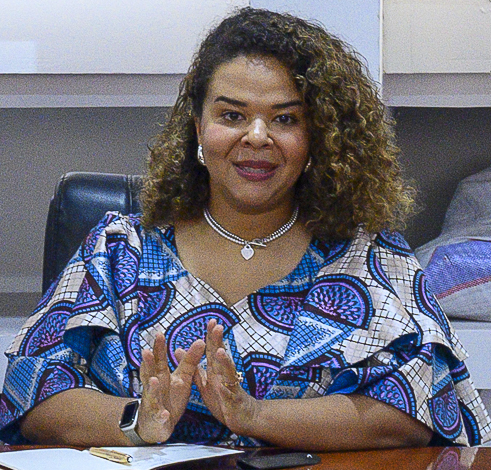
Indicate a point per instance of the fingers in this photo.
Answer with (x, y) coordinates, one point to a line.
(147, 368)
(155, 376)
(214, 340)
(188, 369)
(152, 394)
(226, 363)
(160, 353)
(214, 334)
(230, 378)
(165, 395)
(220, 366)
(188, 361)
(154, 423)
(153, 408)
(155, 360)
(220, 363)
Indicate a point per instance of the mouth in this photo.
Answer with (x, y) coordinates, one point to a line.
(255, 171)
(255, 167)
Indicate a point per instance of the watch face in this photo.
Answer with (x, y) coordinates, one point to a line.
(129, 414)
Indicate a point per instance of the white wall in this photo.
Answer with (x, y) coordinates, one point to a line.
(36, 147)
(436, 53)
(8, 329)
(441, 36)
(46, 128)
(108, 36)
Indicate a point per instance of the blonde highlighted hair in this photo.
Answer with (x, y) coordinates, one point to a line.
(354, 178)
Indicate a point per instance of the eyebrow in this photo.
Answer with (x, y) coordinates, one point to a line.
(231, 101)
(288, 104)
(243, 104)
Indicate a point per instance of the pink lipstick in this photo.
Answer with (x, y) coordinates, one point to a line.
(254, 170)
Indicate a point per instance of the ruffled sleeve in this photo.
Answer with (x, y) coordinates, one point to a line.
(369, 325)
(52, 353)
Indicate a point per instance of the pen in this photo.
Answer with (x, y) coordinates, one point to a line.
(112, 455)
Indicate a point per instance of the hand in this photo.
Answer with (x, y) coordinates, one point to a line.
(220, 388)
(165, 395)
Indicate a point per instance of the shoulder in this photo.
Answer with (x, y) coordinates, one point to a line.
(393, 242)
(115, 222)
(386, 240)
(116, 229)
(362, 245)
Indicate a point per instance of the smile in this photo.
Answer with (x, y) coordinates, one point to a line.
(255, 170)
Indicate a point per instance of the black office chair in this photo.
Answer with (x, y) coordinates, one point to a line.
(81, 199)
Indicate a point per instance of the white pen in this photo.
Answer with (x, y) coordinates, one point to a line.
(112, 455)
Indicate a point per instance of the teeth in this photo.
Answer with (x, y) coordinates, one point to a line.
(251, 169)
(255, 170)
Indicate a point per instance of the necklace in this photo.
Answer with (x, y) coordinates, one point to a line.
(247, 250)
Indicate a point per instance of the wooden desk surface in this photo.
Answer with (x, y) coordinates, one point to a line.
(435, 458)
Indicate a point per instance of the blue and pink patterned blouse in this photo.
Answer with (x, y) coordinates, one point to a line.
(354, 316)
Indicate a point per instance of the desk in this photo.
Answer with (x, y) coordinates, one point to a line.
(435, 458)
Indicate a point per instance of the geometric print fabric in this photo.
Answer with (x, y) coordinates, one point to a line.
(355, 316)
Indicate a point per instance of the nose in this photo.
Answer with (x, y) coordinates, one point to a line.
(257, 134)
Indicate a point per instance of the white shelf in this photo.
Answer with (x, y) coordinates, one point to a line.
(88, 90)
(459, 90)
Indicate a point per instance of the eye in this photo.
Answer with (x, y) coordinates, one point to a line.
(286, 119)
(232, 116)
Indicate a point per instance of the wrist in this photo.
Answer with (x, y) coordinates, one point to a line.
(129, 423)
(248, 423)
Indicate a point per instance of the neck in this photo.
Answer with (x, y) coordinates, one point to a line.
(251, 224)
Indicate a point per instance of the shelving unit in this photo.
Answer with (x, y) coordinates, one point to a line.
(435, 54)
(88, 90)
(117, 53)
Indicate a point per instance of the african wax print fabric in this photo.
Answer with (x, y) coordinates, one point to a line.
(354, 316)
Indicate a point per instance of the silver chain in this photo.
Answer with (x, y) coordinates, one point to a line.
(247, 250)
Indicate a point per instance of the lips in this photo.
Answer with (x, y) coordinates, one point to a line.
(255, 170)
(261, 165)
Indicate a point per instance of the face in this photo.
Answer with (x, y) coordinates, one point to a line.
(254, 134)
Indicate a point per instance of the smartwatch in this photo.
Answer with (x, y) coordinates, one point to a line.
(129, 421)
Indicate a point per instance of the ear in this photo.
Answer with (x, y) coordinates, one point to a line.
(197, 123)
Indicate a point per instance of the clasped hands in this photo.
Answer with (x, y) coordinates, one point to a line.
(166, 395)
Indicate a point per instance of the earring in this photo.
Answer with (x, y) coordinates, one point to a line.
(308, 165)
(201, 158)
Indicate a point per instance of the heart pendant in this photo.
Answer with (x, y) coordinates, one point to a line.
(247, 252)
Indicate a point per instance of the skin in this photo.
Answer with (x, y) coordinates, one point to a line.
(253, 126)
(255, 139)
(252, 113)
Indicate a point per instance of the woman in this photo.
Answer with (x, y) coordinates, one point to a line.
(266, 234)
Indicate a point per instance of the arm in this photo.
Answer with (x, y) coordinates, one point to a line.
(76, 417)
(87, 417)
(334, 422)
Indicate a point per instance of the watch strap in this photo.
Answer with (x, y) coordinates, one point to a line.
(134, 437)
(130, 431)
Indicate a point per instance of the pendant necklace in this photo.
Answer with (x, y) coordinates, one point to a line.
(247, 250)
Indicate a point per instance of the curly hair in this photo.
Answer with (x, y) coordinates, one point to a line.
(354, 178)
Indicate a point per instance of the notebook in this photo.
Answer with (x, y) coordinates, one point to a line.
(143, 458)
